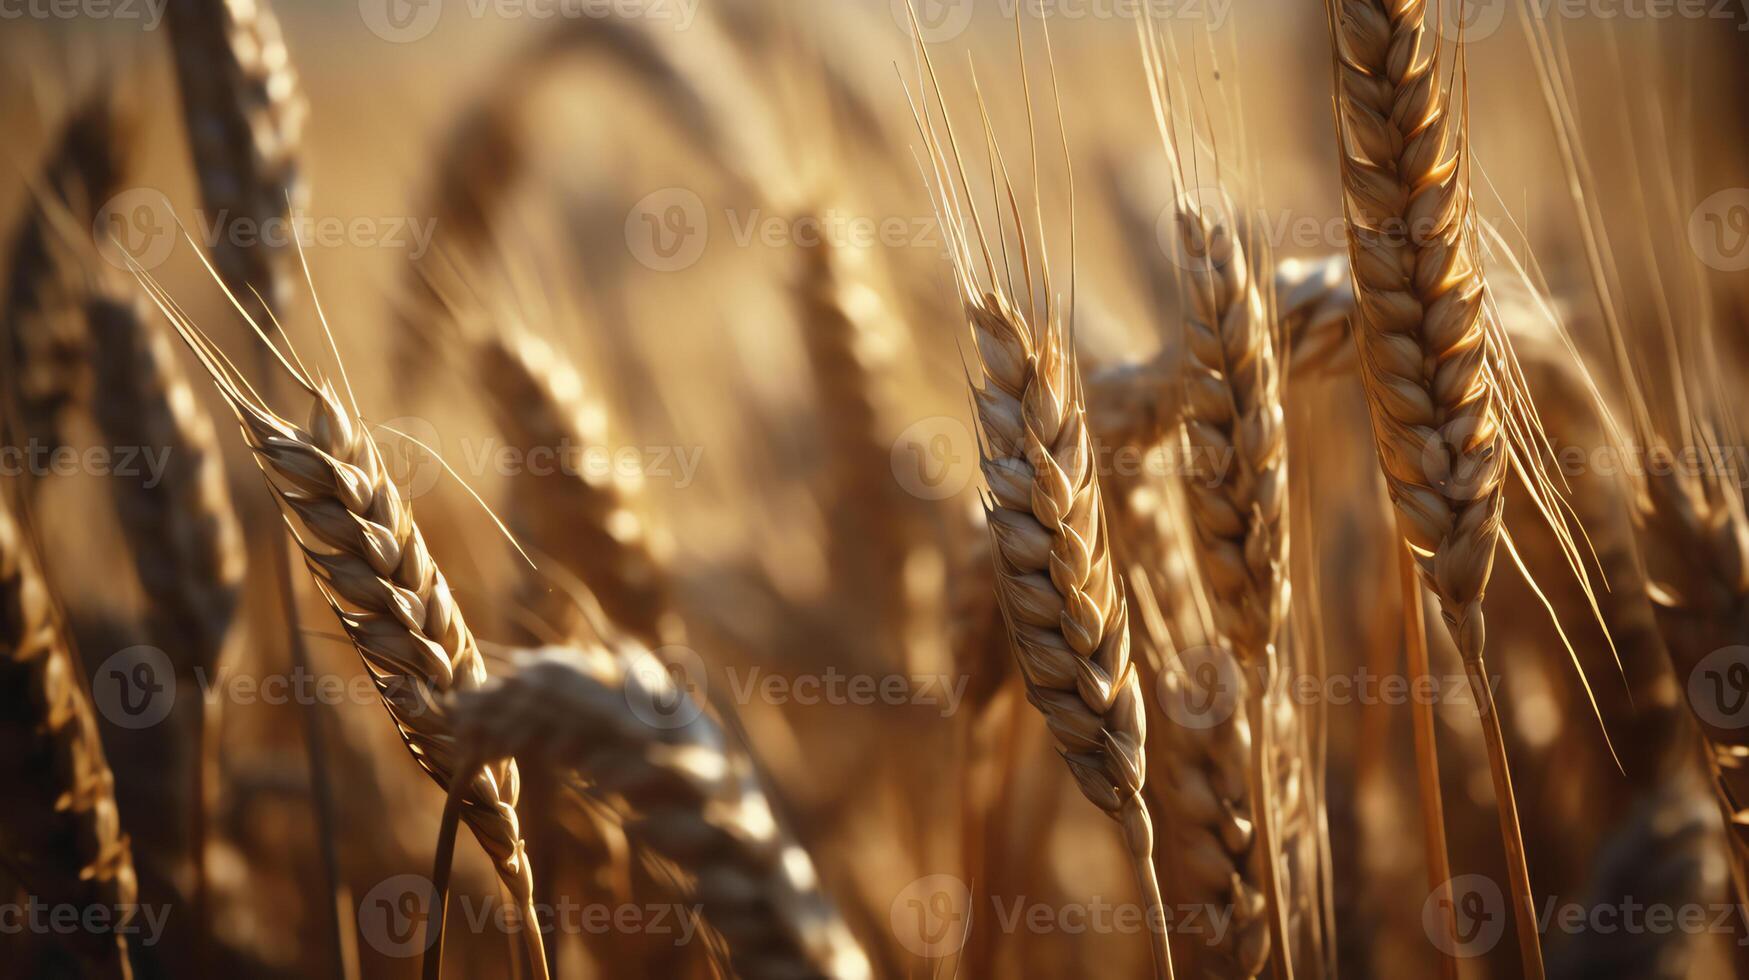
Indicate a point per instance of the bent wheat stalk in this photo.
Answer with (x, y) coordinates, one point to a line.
(616, 718)
(370, 563)
(60, 833)
(1426, 346)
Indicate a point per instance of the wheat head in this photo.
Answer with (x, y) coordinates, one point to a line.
(615, 717)
(59, 830)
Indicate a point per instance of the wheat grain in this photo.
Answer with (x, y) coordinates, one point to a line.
(615, 717)
(60, 831)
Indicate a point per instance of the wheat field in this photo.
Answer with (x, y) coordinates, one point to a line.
(866, 489)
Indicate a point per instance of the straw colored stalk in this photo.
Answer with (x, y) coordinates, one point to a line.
(615, 719)
(370, 562)
(60, 833)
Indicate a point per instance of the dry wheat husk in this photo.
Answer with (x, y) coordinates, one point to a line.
(60, 833)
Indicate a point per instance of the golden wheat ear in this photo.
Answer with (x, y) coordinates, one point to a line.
(369, 561)
(1056, 583)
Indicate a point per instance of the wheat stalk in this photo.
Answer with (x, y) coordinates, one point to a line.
(616, 718)
(1425, 344)
(60, 833)
(370, 562)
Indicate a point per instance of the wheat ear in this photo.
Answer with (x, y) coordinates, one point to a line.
(370, 563)
(60, 833)
(1425, 344)
(582, 516)
(1059, 593)
(615, 718)
(244, 113)
(44, 335)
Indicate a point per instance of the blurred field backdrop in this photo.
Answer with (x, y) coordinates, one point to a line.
(780, 489)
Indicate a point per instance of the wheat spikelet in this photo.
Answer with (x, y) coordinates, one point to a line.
(615, 717)
(369, 561)
(47, 346)
(580, 514)
(60, 831)
(244, 114)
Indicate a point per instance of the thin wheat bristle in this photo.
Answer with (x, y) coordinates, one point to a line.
(60, 830)
(614, 716)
